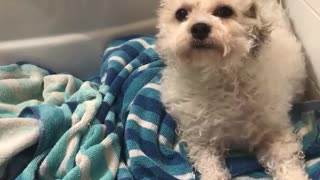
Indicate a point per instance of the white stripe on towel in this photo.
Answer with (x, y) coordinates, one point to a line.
(164, 140)
(185, 176)
(143, 123)
(144, 43)
(136, 153)
(153, 86)
(118, 59)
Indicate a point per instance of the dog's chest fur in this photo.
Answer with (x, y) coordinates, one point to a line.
(221, 109)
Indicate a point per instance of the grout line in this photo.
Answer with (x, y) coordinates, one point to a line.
(314, 11)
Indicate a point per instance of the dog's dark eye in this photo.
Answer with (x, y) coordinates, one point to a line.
(182, 14)
(223, 12)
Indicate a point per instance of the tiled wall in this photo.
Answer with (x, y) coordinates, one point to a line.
(314, 4)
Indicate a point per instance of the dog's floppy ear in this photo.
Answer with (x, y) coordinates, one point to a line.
(162, 3)
(260, 32)
(252, 11)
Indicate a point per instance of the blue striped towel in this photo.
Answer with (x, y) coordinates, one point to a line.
(119, 129)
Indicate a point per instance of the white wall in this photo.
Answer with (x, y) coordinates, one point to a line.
(36, 18)
(305, 15)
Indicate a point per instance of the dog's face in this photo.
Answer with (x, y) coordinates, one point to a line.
(199, 31)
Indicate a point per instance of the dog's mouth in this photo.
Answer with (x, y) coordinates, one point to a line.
(202, 45)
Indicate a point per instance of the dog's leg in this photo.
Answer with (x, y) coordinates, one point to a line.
(209, 164)
(280, 153)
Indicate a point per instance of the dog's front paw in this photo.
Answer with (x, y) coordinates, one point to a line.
(216, 176)
(297, 173)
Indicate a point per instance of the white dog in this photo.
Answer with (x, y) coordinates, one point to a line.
(233, 69)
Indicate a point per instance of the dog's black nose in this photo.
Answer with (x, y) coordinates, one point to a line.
(200, 31)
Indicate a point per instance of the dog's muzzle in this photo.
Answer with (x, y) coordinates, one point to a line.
(196, 44)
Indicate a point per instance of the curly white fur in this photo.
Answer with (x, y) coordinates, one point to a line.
(230, 97)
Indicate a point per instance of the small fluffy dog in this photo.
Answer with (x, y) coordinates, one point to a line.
(233, 69)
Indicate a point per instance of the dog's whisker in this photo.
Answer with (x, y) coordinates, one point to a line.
(226, 50)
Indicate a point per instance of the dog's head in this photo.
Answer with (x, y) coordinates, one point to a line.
(198, 31)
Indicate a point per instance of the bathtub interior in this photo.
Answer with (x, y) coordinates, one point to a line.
(69, 36)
